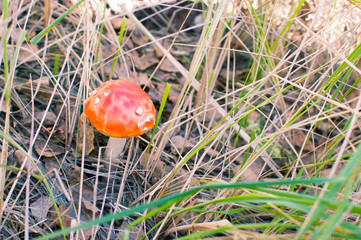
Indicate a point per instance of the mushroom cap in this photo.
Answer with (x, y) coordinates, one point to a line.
(121, 109)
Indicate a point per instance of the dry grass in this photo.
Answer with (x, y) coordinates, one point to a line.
(260, 92)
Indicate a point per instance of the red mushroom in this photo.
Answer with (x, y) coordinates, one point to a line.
(120, 109)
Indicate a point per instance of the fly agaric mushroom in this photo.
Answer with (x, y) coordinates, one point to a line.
(120, 109)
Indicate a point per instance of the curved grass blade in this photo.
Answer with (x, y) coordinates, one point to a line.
(178, 197)
(40, 35)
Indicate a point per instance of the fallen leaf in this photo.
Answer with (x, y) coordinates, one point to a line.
(107, 53)
(326, 172)
(298, 137)
(158, 92)
(48, 150)
(50, 164)
(40, 208)
(168, 66)
(49, 120)
(28, 53)
(21, 159)
(210, 113)
(131, 233)
(74, 174)
(178, 143)
(197, 227)
(140, 78)
(159, 53)
(64, 212)
(90, 206)
(166, 77)
(3, 107)
(158, 172)
(145, 61)
(253, 171)
(138, 38)
(60, 131)
(118, 21)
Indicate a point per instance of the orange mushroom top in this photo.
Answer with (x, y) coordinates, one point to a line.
(121, 109)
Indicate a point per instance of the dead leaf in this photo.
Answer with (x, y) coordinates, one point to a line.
(3, 107)
(66, 219)
(133, 232)
(210, 113)
(140, 78)
(298, 137)
(206, 226)
(118, 21)
(28, 53)
(158, 53)
(121, 72)
(74, 174)
(138, 38)
(158, 172)
(50, 164)
(89, 137)
(40, 208)
(90, 206)
(166, 77)
(127, 43)
(166, 45)
(145, 61)
(158, 92)
(168, 66)
(48, 150)
(21, 159)
(232, 231)
(326, 172)
(352, 98)
(253, 171)
(178, 142)
(60, 132)
(49, 120)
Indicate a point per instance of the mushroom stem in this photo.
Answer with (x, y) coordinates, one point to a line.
(115, 147)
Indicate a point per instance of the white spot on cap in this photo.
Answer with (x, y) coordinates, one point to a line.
(106, 93)
(93, 92)
(139, 111)
(97, 100)
(147, 119)
(145, 129)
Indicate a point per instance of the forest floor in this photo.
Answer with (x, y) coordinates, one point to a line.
(258, 107)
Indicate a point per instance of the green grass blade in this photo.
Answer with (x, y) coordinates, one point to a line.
(40, 35)
(5, 8)
(120, 39)
(350, 169)
(177, 197)
(160, 111)
(56, 64)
